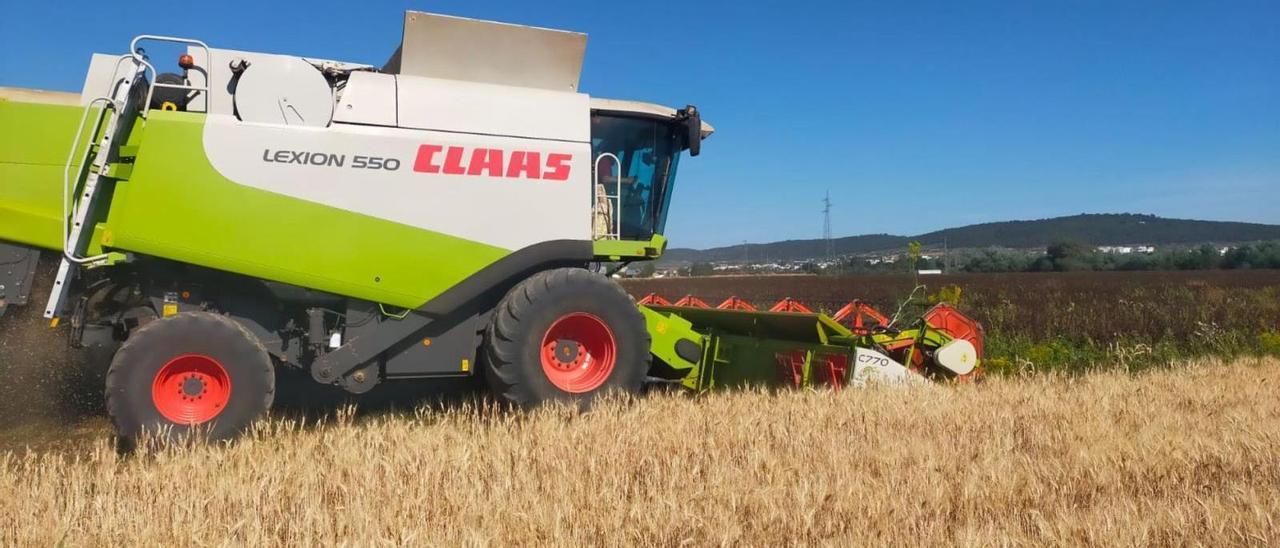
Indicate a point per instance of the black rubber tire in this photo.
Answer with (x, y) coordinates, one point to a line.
(135, 365)
(511, 360)
(177, 99)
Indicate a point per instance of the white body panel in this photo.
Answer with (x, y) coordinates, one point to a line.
(104, 71)
(470, 107)
(277, 89)
(428, 103)
(871, 367)
(506, 212)
(368, 98)
(641, 107)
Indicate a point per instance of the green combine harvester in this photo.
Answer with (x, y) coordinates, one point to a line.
(453, 212)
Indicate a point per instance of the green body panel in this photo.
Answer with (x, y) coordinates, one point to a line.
(171, 203)
(34, 141)
(177, 206)
(665, 330)
(736, 361)
(617, 250)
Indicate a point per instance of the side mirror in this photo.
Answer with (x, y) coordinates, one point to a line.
(693, 126)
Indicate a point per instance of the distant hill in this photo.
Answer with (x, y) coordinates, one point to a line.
(1093, 229)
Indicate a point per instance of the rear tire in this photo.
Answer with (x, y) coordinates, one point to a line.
(195, 370)
(565, 335)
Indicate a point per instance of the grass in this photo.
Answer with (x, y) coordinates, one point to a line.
(1182, 455)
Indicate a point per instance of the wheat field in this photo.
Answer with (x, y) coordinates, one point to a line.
(1186, 455)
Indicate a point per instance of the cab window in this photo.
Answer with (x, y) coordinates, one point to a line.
(646, 151)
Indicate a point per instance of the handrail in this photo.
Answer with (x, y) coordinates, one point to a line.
(68, 250)
(151, 89)
(617, 196)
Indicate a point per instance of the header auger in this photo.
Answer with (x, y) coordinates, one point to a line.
(444, 214)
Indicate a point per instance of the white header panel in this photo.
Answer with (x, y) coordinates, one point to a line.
(457, 48)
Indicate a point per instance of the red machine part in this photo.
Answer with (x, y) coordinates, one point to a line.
(791, 366)
(691, 301)
(856, 313)
(191, 389)
(790, 305)
(734, 303)
(831, 369)
(828, 369)
(654, 299)
(578, 352)
(947, 319)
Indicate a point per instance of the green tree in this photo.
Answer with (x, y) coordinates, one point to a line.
(1200, 258)
(997, 260)
(1069, 255)
(701, 269)
(913, 254)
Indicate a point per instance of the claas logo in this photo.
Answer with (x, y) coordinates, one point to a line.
(492, 162)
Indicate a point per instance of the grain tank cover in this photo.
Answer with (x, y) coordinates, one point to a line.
(457, 48)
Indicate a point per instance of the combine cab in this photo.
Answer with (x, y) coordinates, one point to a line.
(448, 213)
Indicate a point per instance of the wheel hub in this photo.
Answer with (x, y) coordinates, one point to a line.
(569, 354)
(191, 389)
(578, 352)
(192, 386)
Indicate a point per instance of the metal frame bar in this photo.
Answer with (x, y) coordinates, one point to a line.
(151, 89)
(616, 211)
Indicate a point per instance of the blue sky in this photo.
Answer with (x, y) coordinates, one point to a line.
(916, 115)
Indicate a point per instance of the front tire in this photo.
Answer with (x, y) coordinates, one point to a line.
(565, 335)
(192, 371)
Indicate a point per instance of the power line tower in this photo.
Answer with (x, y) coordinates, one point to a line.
(946, 255)
(826, 222)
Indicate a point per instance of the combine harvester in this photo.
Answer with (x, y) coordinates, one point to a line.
(447, 214)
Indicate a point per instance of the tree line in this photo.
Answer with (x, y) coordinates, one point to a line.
(1074, 256)
(1064, 256)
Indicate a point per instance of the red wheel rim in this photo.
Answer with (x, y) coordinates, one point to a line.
(578, 352)
(191, 389)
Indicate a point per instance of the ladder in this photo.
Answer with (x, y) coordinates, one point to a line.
(123, 103)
